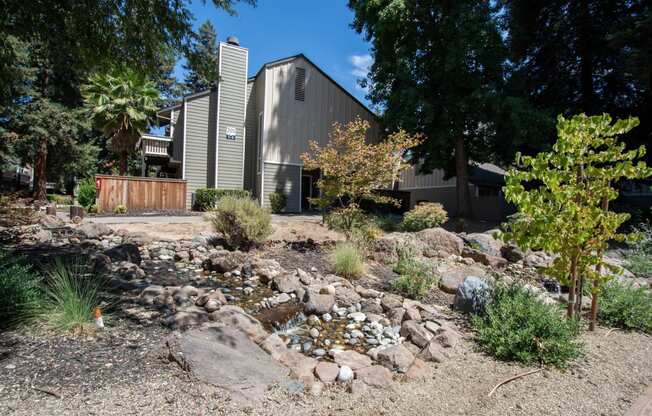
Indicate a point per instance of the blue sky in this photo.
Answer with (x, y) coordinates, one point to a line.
(280, 28)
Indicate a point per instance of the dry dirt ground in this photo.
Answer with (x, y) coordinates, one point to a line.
(125, 372)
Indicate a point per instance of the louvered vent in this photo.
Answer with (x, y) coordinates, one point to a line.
(300, 84)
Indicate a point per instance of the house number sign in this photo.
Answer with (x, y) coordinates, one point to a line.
(230, 133)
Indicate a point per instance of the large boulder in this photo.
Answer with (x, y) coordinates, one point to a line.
(345, 296)
(472, 295)
(319, 303)
(236, 317)
(93, 230)
(452, 275)
(225, 357)
(438, 242)
(287, 283)
(124, 252)
(301, 367)
(224, 261)
(512, 253)
(483, 257)
(396, 357)
(385, 248)
(484, 242)
(416, 333)
(266, 269)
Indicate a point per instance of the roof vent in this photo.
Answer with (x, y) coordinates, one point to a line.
(232, 40)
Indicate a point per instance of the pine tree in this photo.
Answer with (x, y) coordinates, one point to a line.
(202, 60)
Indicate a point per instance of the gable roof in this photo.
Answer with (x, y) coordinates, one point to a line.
(321, 71)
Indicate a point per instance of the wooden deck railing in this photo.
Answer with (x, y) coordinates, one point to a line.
(140, 194)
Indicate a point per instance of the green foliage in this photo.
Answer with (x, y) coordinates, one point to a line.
(562, 197)
(120, 209)
(121, 102)
(277, 201)
(202, 60)
(347, 260)
(638, 259)
(71, 294)
(207, 198)
(357, 226)
(20, 288)
(416, 277)
(387, 222)
(625, 306)
(86, 193)
(241, 221)
(518, 326)
(60, 199)
(424, 215)
(92, 209)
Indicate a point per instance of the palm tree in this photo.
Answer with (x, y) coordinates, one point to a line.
(121, 103)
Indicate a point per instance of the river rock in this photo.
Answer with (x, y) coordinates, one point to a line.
(472, 295)
(345, 374)
(286, 283)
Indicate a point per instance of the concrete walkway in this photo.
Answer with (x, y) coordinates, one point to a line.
(148, 219)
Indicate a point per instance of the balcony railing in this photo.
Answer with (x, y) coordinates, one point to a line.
(156, 145)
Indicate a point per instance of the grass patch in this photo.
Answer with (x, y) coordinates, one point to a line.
(20, 291)
(71, 294)
(347, 260)
(416, 277)
(625, 306)
(517, 326)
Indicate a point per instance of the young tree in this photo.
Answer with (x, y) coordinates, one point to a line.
(202, 60)
(121, 103)
(563, 200)
(437, 70)
(352, 169)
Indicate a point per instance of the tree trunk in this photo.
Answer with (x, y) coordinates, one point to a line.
(596, 283)
(586, 58)
(39, 171)
(123, 164)
(573, 288)
(580, 295)
(462, 180)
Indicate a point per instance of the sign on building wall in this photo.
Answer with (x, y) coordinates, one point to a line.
(230, 133)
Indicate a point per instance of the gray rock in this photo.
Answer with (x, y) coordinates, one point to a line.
(42, 236)
(345, 296)
(512, 253)
(300, 366)
(483, 258)
(434, 352)
(391, 301)
(319, 304)
(472, 295)
(352, 359)
(184, 319)
(375, 376)
(416, 333)
(227, 358)
(93, 230)
(224, 261)
(438, 242)
(485, 243)
(454, 274)
(234, 316)
(396, 357)
(286, 283)
(266, 269)
(274, 346)
(345, 374)
(124, 252)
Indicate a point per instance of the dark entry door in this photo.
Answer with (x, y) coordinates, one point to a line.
(306, 192)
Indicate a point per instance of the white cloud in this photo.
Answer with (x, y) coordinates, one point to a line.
(361, 65)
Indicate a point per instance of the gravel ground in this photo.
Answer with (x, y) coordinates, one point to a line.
(125, 371)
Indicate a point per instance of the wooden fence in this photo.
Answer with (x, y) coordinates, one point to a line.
(140, 194)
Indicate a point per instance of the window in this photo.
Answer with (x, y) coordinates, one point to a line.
(300, 84)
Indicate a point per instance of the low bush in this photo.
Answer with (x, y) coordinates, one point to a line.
(416, 277)
(60, 199)
(20, 289)
(92, 209)
(424, 215)
(347, 260)
(625, 306)
(277, 202)
(387, 222)
(638, 259)
(71, 294)
(241, 221)
(86, 193)
(207, 198)
(518, 326)
(357, 226)
(120, 209)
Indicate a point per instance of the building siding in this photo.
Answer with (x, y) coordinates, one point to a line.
(177, 135)
(200, 127)
(410, 179)
(232, 106)
(251, 133)
(284, 178)
(292, 123)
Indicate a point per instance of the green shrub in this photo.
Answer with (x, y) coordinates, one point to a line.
(416, 277)
(387, 222)
(347, 260)
(120, 209)
(20, 290)
(71, 294)
(86, 192)
(625, 306)
(277, 201)
(424, 215)
(92, 209)
(241, 221)
(345, 220)
(638, 259)
(207, 198)
(518, 326)
(60, 199)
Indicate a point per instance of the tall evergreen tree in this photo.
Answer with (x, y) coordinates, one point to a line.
(202, 60)
(438, 69)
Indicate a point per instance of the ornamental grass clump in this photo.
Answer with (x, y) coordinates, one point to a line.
(241, 221)
(518, 326)
(347, 260)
